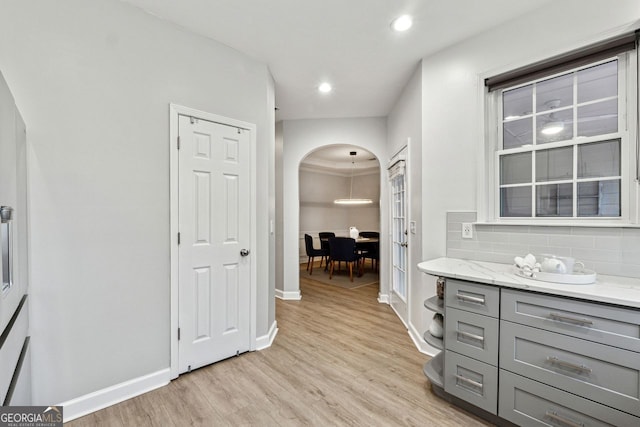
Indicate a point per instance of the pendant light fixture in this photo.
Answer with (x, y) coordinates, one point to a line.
(351, 200)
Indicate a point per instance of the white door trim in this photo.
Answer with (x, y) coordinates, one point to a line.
(175, 111)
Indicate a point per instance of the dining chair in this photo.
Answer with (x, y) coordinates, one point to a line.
(344, 249)
(313, 252)
(371, 251)
(324, 244)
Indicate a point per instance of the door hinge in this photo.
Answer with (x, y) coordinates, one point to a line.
(239, 130)
(178, 143)
(178, 238)
(193, 120)
(178, 334)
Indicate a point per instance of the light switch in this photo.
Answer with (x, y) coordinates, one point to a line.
(412, 227)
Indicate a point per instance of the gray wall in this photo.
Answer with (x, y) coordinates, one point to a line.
(404, 127)
(318, 213)
(94, 81)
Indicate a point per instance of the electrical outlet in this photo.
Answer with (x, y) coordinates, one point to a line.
(467, 230)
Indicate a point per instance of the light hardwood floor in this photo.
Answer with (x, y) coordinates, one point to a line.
(340, 358)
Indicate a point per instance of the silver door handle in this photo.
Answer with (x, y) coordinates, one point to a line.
(471, 336)
(469, 298)
(568, 365)
(244, 252)
(562, 420)
(567, 319)
(468, 381)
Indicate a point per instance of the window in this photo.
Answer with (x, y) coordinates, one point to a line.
(560, 143)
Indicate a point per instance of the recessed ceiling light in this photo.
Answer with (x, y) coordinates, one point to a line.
(402, 23)
(325, 87)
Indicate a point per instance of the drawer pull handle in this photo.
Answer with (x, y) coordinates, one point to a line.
(475, 384)
(572, 320)
(469, 335)
(555, 417)
(469, 298)
(568, 365)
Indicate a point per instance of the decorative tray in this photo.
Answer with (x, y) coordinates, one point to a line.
(584, 277)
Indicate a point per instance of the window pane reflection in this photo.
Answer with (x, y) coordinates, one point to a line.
(517, 102)
(554, 93)
(599, 159)
(517, 133)
(515, 201)
(598, 119)
(555, 164)
(515, 168)
(598, 82)
(545, 123)
(599, 198)
(554, 200)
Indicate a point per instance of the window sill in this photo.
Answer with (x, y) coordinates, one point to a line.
(559, 223)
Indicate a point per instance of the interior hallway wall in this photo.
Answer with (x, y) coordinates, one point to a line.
(94, 81)
(404, 128)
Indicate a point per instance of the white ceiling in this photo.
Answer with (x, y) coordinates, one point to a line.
(346, 42)
(336, 159)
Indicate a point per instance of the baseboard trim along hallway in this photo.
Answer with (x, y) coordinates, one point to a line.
(100, 399)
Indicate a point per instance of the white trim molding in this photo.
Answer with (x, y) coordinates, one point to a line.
(288, 295)
(83, 405)
(383, 298)
(420, 344)
(265, 341)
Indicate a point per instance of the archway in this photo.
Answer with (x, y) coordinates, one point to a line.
(332, 172)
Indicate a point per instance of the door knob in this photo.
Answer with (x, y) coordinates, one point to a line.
(244, 252)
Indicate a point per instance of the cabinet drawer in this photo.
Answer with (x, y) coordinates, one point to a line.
(615, 326)
(598, 372)
(473, 297)
(472, 335)
(529, 403)
(470, 380)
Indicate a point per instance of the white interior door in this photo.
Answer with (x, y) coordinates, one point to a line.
(399, 235)
(214, 225)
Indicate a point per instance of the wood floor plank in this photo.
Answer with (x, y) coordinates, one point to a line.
(340, 359)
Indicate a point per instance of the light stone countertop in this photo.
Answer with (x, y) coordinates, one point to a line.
(618, 290)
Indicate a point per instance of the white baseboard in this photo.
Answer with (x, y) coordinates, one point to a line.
(265, 341)
(288, 295)
(420, 344)
(83, 405)
(383, 298)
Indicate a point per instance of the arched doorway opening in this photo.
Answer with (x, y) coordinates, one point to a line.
(334, 172)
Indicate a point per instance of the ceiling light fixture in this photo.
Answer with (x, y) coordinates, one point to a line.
(552, 128)
(325, 87)
(351, 200)
(402, 23)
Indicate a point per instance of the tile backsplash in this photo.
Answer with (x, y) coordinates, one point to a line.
(613, 251)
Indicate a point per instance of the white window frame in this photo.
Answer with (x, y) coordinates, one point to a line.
(489, 167)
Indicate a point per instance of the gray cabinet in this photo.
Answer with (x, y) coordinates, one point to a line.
(530, 403)
(536, 359)
(471, 343)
